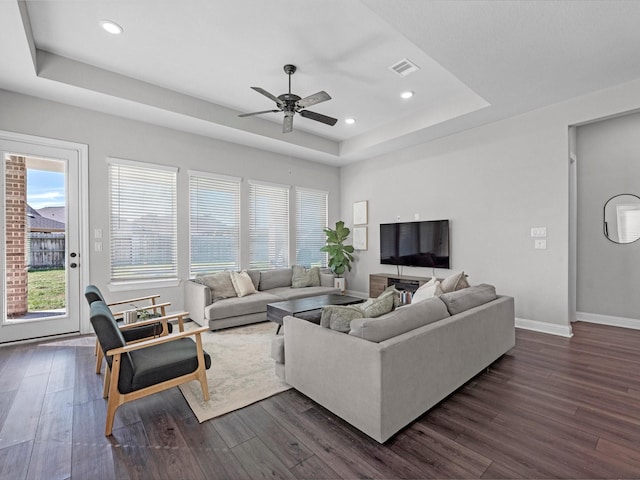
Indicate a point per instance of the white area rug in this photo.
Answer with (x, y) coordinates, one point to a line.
(242, 371)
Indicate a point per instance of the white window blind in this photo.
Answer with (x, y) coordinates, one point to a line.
(311, 220)
(143, 221)
(268, 226)
(214, 223)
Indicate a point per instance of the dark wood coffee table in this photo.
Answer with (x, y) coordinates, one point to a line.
(306, 307)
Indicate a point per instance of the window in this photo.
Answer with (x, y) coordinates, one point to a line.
(311, 220)
(143, 221)
(268, 225)
(214, 223)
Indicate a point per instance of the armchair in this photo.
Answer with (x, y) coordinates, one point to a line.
(137, 331)
(149, 366)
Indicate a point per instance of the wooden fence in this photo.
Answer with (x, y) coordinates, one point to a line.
(46, 250)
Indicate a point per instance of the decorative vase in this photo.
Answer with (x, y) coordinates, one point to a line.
(341, 283)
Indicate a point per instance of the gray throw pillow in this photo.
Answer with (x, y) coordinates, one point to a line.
(454, 282)
(255, 277)
(338, 317)
(461, 300)
(280, 277)
(220, 285)
(305, 277)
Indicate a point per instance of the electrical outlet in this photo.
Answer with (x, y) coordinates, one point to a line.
(539, 232)
(540, 244)
(97, 246)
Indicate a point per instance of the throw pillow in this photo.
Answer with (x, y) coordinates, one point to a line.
(220, 285)
(242, 283)
(430, 289)
(396, 295)
(379, 306)
(305, 277)
(338, 317)
(457, 281)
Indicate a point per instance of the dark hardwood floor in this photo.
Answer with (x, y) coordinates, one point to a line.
(550, 408)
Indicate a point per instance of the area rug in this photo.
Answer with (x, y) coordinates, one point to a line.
(242, 371)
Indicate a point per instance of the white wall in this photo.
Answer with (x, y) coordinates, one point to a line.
(608, 165)
(109, 136)
(494, 183)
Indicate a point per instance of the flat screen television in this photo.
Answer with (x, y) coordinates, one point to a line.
(415, 244)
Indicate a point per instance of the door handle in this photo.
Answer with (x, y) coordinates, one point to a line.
(73, 265)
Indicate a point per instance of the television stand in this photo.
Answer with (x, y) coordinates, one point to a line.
(378, 282)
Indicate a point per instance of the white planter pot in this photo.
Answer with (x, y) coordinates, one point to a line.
(340, 283)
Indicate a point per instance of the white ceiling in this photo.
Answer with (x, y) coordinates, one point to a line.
(188, 64)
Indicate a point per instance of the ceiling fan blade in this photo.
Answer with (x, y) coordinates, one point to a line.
(257, 113)
(313, 99)
(268, 95)
(287, 124)
(318, 117)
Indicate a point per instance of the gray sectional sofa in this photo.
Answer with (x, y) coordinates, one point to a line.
(389, 370)
(271, 285)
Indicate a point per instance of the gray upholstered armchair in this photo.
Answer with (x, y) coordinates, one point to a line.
(149, 366)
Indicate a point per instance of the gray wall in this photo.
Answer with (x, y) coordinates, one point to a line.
(608, 164)
(493, 183)
(109, 136)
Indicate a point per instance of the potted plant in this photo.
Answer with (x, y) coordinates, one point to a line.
(340, 255)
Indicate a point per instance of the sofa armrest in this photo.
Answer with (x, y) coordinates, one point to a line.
(341, 372)
(196, 298)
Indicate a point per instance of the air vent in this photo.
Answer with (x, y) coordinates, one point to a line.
(404, 67)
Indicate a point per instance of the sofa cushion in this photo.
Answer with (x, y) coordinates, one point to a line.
(219, 283)
(454, 282)
(339, 317)
(280, 277)
(400, 321)
(233, 307)
(326, 277)
(461, 300)
(242, 283)
(305, 277)
(289, 293)
(255, 277)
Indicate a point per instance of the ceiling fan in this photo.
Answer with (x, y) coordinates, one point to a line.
(291, 104)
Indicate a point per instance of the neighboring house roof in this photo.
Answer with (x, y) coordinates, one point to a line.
(54, 213)
(38, 223)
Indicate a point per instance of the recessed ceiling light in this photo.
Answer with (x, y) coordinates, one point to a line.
(407, 94)
(111, 27)
(350, 121)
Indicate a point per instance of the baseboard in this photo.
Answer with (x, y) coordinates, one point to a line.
(544, 327)
(608, 320)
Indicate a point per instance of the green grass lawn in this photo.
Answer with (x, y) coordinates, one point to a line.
(46, 290)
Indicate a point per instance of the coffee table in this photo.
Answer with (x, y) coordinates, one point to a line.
(309, 308)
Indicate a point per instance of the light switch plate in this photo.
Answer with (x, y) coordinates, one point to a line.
(538, 231)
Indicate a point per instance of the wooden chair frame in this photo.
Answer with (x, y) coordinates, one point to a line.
(116, 398)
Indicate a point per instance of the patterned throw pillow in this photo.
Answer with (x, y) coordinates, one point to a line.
(457, 281)
(338, 317)
(220, 285)
(305, 277)
(379, 306)
(242, 283)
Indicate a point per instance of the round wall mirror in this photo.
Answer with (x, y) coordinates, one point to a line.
(622, 218)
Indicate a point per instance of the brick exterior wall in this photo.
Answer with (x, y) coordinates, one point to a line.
(16, 236)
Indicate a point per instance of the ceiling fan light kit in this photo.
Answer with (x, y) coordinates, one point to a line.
(290, 104)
